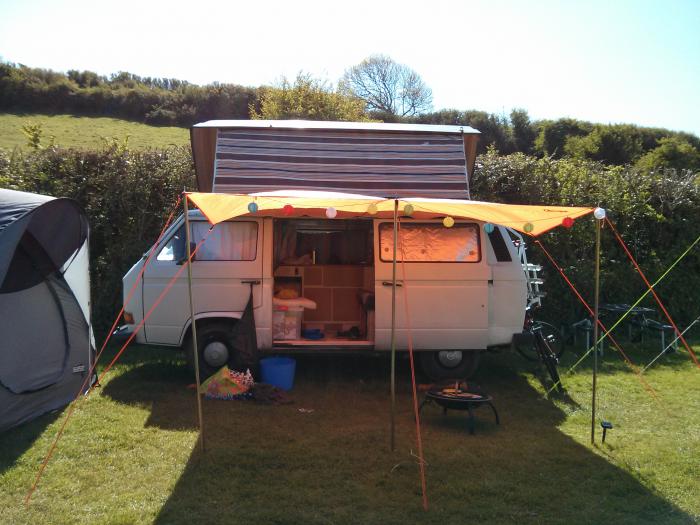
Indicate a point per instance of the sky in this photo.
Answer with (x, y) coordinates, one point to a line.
(603, 61)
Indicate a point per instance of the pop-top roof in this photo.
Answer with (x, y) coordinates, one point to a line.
(370, 158)
(337, 125)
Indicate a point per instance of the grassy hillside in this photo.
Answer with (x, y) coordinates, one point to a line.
(87, 132)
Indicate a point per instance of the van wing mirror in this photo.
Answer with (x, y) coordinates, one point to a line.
(183, 259)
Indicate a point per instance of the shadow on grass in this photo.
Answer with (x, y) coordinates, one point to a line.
(16, 441)
(331, 463)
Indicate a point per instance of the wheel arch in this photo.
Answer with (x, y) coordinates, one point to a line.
(205, 318)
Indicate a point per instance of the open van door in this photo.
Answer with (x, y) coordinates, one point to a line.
(447, 280)
(226, 265)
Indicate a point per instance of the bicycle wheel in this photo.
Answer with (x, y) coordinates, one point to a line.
(549, 359)
(551, 336)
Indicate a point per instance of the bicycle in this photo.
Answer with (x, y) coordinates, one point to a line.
(541, 341)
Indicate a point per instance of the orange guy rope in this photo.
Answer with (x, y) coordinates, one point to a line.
(73, 404)
(153, 307)
(133, 289)
(419, 440)
(107, 338)
(607, 333)
(656, 297)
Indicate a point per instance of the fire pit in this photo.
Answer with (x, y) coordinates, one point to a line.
(459, 396)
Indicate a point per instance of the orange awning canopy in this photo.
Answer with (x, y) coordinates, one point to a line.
(218, 207)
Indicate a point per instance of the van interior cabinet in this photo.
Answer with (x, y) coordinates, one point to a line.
(337, 290)
(331, 263)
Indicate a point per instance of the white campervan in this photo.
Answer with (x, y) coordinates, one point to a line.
(324, 285)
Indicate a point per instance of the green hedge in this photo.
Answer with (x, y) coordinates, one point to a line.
(127, 195)
(656, 212)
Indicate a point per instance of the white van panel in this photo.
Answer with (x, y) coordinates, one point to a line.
(507, 314)
(448, 302)
(507, 293)
(216, 287)
(444, 315)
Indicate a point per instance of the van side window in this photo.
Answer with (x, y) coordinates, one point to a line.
(500, 248)
(229, 241)
(430, 242)
(174, 250)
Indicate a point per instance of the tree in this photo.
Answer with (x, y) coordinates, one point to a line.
(613, 144)
(554, 134)
(494, 129)
(524, 133)
(33, 133)
(387, 87)
(307, 98)
(671, 153)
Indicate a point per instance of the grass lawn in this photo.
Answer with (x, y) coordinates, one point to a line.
(87, 132)
(130, 455)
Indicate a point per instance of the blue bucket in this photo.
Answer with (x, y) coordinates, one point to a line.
(278, 371)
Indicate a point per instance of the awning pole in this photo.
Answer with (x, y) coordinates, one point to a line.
(195, 348)
(393, 329)
(598, 224)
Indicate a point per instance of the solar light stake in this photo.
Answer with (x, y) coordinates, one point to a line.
(606, 425)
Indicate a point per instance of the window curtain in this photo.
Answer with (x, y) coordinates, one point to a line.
(229, 241)
(285, 242)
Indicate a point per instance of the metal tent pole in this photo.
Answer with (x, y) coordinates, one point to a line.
(393, 329)
(598, 224)
(195, 348)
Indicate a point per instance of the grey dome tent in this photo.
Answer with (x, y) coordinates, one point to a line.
(46, 345)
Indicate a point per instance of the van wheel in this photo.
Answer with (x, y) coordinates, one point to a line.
(215, 345)
(449, 364)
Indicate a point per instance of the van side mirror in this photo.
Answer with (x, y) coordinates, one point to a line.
(183, 259)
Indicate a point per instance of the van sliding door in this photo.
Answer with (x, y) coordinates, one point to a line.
(445, 283)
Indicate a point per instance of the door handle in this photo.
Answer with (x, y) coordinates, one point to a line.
(251, 281)
(389, 283)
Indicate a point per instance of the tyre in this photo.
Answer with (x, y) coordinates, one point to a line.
(550, 362)
(216, 348)
(551, 336)
(551, 366)
(449, 364)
